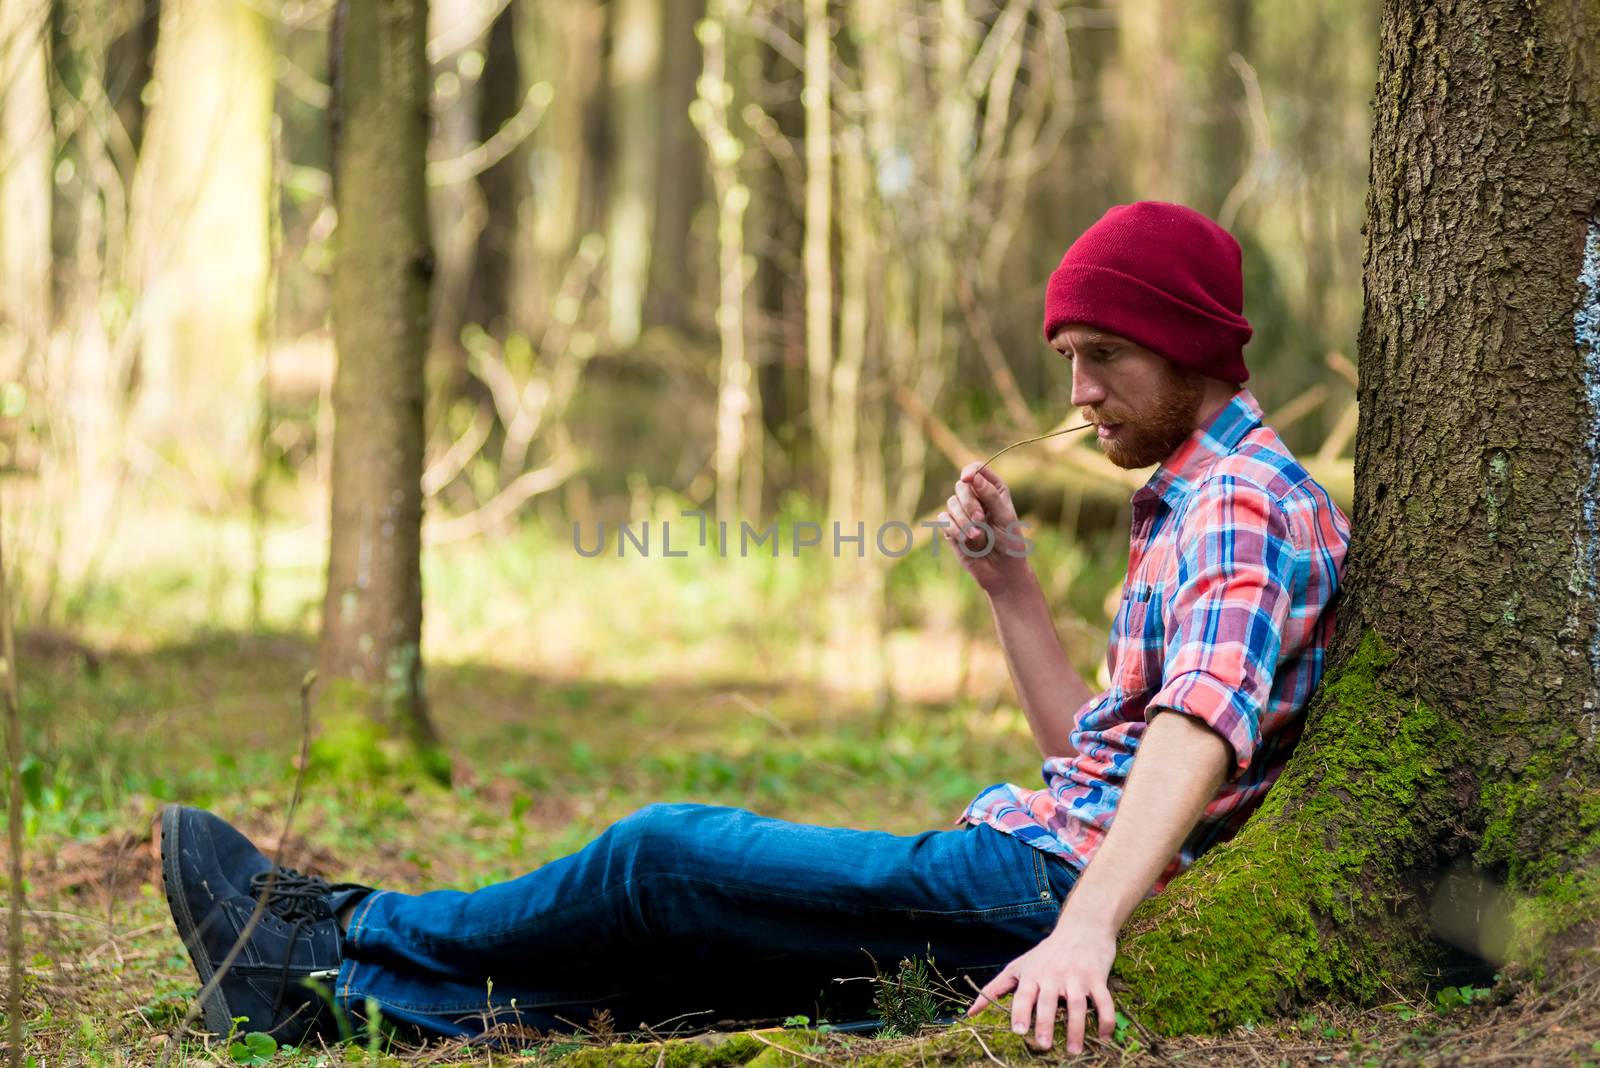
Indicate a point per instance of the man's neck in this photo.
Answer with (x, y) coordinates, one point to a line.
(1217, 396)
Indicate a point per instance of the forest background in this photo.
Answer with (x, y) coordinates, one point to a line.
(773, 262)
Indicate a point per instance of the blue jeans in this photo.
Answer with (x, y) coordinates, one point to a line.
(703, 914)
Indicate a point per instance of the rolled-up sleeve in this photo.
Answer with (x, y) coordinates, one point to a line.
(1226, 615)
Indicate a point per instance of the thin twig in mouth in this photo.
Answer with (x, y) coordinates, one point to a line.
(1029, 441)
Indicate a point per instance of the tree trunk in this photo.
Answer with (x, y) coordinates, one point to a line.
(502, 186)
(818, 263)
(560, 44)
(679, 180)
(200, 229)
(372, 614)
(635, 129)
(1173, 98)
(734, 392)
(1457, 724)
(27, 146)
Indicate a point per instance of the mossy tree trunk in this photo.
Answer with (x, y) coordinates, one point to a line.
(1458, 722)
(370, 655)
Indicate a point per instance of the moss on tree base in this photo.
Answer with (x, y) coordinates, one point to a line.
(352, 745)
(1313, 896)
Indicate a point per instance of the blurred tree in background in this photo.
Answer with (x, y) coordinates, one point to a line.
(774, 258)
(370, 658)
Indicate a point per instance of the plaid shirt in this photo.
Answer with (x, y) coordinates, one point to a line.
(1234, 561)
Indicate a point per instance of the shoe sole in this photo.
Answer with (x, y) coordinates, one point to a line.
(218, 1018)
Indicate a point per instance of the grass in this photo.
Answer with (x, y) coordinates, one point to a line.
(571, 692)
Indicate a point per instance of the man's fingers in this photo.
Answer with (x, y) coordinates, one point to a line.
(1107, 1012)
(969, 530)
(983, 480)
(958, 512)
(1022, 1007)
(969, 500)
(1075, 1015)
(985, 483)
(1044, 1015)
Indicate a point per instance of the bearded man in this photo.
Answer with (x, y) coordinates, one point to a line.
(1234, 562)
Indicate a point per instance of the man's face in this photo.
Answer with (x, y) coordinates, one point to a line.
(1145, 405)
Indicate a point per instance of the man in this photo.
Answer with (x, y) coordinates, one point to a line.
(1234, 562)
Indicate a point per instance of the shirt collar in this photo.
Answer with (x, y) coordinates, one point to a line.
(1182, 470)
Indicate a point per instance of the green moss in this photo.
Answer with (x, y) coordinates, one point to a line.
(782, 1049)
(1542, 830)
(1555, 926)
(735, 1050)
(1303, 899)
(352, 746)
(1542, 819)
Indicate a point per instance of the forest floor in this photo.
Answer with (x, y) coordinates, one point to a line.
(554, 733)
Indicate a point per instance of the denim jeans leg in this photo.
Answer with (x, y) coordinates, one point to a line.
(743, 903)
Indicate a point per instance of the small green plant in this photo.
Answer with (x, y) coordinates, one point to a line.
(374, 1028)
(254, 1048)
(907, 1000)
(1122, 1034)
(797, 1021)
(1451, 998)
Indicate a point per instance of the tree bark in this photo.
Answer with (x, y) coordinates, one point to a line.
(372, 613)
(1457, 725)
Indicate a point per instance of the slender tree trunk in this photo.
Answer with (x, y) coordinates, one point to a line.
(892, 109)
(1176, 102)
(777, 219)
(502, 186)
(372, 615)
(200, 229)
(816, 98)
(856, 617)
(27, 146)
(561, 44)
(456, 215)
(734, 392)
(635, 128)
(130, 66)
(679, 179)
(1458, 723)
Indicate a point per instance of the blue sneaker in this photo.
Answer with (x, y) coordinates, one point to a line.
(214, 876)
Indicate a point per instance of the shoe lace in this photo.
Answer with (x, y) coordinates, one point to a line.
(298, 898)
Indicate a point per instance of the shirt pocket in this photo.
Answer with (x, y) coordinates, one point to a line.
(1138, 638)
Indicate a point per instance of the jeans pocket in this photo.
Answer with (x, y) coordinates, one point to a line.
(1058, 875)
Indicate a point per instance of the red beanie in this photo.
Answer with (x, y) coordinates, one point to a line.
(1163, 276)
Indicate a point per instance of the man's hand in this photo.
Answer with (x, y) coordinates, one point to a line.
(1180, 765)
(1073, 965)
(981, 524)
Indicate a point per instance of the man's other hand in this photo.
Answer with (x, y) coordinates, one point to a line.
(981, 524)
(1072, 965)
